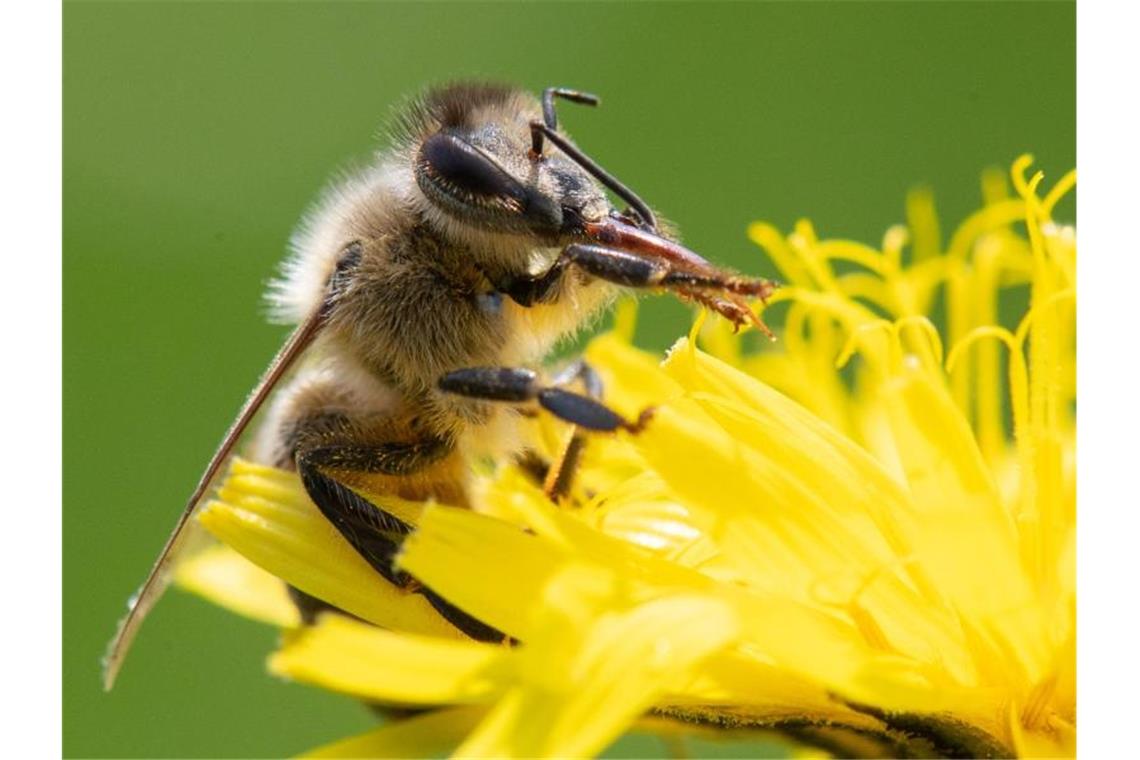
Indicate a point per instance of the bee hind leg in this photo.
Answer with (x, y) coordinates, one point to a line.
(375, 534)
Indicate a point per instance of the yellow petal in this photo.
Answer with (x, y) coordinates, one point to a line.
(226, 578)
(430, 735)
(450, 550)
(265, 515)
(798, 530)
(631, 376)
(962, 513)
(349, 656)
(621, 664)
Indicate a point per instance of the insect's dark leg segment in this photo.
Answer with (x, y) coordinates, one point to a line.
(511, 384)
(309, 606)
(634, 270)
(559, 477)
(614, 265)
(515, 385)
(474, 628)
(620, 267)
(584, 411)
(375, 534)
(529, 290)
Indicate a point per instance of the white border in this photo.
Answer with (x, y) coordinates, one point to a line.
(30, 310)
(1108, 456)
(30, 196)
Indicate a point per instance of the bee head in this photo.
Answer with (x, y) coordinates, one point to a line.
(474, 163)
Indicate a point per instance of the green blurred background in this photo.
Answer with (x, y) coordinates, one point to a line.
(195, 135)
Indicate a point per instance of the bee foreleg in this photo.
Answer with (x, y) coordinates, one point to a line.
(631, 270)
(634, 270)
(529, 290)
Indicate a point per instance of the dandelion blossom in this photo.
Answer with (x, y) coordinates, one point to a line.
(863, 535)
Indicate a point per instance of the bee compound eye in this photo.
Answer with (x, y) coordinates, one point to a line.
(461, 170)
(467, 182)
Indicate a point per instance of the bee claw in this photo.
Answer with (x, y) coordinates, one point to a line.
(642, 420)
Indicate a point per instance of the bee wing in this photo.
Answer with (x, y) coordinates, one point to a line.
(159, 577)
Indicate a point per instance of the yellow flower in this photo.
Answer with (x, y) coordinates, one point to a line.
(834, 534)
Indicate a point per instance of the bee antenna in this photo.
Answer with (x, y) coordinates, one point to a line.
(551, 117)
(574, 96)
(540, 130)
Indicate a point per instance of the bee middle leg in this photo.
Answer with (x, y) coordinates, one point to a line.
(516, 385)
(559, 476)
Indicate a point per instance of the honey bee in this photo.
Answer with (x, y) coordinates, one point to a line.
(424, 288)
